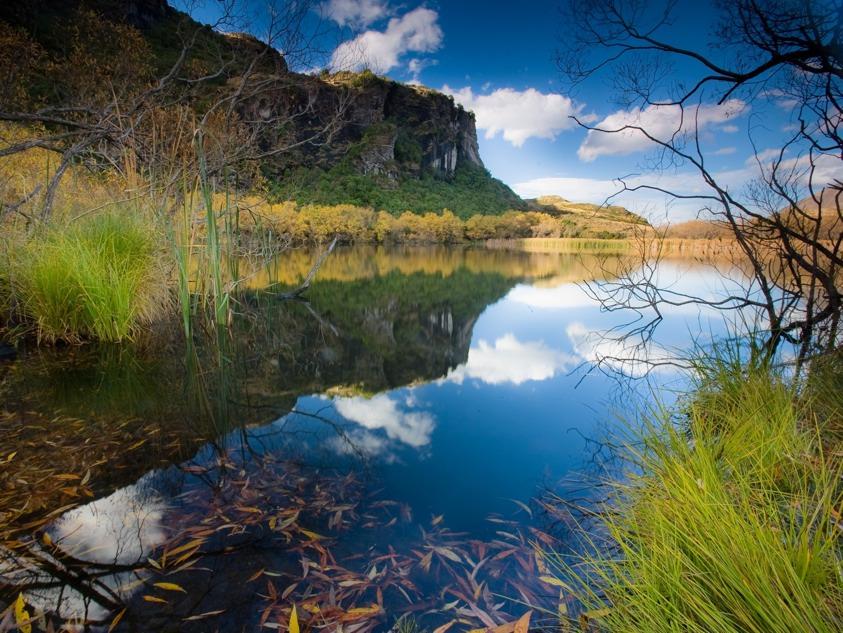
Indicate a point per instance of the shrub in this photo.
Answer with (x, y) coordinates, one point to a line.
(98, 277)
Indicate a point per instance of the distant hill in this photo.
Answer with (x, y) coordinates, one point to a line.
(593, 220)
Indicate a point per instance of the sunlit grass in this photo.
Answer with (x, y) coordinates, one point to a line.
(732, 521)
(98, 277)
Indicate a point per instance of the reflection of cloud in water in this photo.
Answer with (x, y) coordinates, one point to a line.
(119, 529)
(619, 354)
(510, 360)
(382, 413)
(565, 296)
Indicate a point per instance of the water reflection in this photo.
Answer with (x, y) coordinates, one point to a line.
(451, 381)
(510, 360)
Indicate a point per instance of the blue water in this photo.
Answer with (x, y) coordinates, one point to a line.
(458, 384)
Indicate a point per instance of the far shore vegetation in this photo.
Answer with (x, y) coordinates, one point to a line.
(109, 263)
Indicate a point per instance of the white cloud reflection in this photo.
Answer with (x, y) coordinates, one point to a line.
(618, 353)
(509, 360)
(387, 425)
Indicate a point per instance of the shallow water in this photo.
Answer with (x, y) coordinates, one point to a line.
(381, 448)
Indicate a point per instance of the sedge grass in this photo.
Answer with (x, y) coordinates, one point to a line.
(730, 523)
(100, 277)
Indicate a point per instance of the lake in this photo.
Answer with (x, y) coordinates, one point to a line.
(380, 449)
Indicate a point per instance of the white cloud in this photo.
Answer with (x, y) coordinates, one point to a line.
(724, 151)
(729, 129)
(617, 134)
(354, 13)
(510, 360)
(415, 32)
(519, 115)
(413, 428)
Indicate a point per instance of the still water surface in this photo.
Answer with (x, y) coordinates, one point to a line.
(381, 448)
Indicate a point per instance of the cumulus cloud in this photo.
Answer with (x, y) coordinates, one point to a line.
(413, 428)
(415, 32)
(509, 360)
(357, 14)
(617, 134)
(519, 115)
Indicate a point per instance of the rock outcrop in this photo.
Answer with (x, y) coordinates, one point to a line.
(368, 124)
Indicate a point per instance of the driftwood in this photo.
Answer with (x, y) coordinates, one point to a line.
(296, 294)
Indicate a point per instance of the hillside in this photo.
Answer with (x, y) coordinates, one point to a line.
(347, 137)
(589, 220)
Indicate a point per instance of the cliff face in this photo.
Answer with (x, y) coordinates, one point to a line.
(365, 125)
(383, 128)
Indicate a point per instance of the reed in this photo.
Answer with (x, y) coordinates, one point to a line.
(731, 522)
(99, 277)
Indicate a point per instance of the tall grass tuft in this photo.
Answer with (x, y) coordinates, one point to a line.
(99, 277)
(731, 522)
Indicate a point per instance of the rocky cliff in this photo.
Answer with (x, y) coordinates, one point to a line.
(346, 137)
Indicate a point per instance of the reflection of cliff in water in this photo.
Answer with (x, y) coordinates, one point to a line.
(372, 335)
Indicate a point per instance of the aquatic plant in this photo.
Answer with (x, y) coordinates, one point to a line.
(101, 277)
(732, 522)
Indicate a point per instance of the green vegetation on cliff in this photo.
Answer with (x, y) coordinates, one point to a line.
(471, 191)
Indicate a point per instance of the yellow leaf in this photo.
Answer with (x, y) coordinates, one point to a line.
(294, 621)
(313, 535)
(154, 599)
(22, 615)
(45, 537)
(169, 586)
(360, 613)
(116, 620)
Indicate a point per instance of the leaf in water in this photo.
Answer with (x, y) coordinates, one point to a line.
(447, 553)
(425, 561)
(312, 535)
(116, 620)
(154, 599)
(169, 586)
(523, 624)
(22, 618)
(437, 519)
(445, 627)
(523, 506)
(294, 621)
(360, 613)
(256, 575)
(202, 616)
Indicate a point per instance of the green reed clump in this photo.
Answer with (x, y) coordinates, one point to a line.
(731, 522)
(98, 277)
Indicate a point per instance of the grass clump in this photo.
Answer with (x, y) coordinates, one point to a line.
(99, 277)
(731, 522)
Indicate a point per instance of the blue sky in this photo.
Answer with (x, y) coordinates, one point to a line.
(497, 59)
